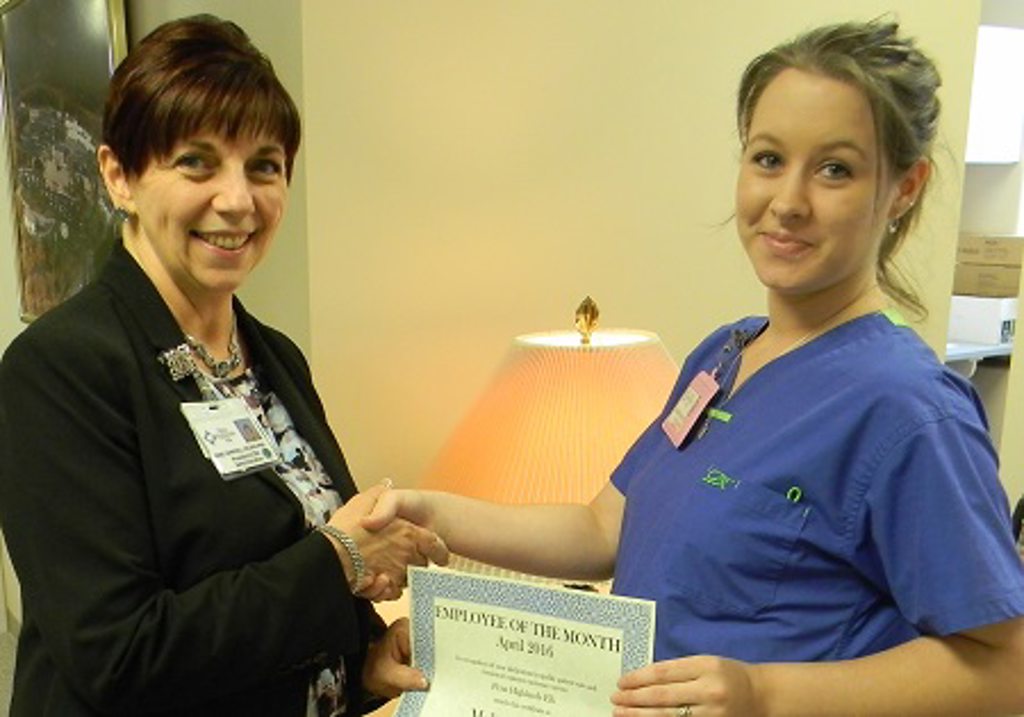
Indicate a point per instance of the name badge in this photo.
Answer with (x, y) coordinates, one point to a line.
(231, 436)
(680, 421)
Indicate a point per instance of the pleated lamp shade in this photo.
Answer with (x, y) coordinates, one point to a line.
(557, 418)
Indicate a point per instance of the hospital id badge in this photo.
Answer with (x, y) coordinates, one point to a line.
(680, 421)
(231, 436)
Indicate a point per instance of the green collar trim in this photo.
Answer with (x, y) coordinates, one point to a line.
(895, 317)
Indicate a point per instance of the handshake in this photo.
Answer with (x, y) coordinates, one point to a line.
(381, 535)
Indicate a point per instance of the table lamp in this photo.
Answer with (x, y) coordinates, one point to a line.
(557, 417)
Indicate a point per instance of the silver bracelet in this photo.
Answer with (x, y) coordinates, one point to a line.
(351, 548)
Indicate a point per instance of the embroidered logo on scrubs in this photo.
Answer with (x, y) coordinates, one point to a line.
(717, 479)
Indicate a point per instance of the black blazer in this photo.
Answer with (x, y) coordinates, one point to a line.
(150, 585)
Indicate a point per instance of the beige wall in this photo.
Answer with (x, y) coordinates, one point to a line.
(1012, 448)
(476, 167)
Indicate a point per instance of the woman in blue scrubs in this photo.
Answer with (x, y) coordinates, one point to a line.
(817, 512)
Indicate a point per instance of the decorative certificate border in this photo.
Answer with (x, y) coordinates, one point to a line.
(634, 617)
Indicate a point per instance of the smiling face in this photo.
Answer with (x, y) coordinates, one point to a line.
(204, 216)
(813, 197)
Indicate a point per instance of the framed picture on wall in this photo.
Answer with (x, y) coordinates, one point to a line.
(56, 58)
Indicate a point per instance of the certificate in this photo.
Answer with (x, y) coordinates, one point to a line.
(493, 647)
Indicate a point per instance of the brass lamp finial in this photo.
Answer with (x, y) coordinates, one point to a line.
(586, 319)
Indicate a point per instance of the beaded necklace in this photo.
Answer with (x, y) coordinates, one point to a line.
(220, 369)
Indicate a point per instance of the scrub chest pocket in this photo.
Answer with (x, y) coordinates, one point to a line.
(737, 547)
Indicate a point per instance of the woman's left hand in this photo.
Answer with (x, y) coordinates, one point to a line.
(710, 686)
(387, 672)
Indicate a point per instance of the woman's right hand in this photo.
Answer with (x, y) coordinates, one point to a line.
(387, 550)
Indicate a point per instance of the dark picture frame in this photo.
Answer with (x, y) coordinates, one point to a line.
(56, 58)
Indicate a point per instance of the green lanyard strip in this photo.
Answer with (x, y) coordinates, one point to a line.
(719, 415)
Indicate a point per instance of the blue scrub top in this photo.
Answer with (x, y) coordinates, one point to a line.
(847, 501)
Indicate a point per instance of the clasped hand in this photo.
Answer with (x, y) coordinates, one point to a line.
(388, 549)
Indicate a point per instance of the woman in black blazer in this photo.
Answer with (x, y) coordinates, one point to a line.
(180, 515)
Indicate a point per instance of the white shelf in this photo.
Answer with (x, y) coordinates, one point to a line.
(964, 357)
(960, 351)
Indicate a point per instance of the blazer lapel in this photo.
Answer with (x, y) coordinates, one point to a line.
(139, 299)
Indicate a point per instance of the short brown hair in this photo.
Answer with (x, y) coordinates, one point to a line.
(900, 84)
(191, 75)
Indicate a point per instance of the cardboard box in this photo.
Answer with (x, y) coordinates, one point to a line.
(986, 280)
(982, 320)
(1006, 250)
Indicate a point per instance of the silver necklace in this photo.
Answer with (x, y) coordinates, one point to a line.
(219, 369)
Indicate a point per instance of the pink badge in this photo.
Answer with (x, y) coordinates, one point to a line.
(678, 424)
